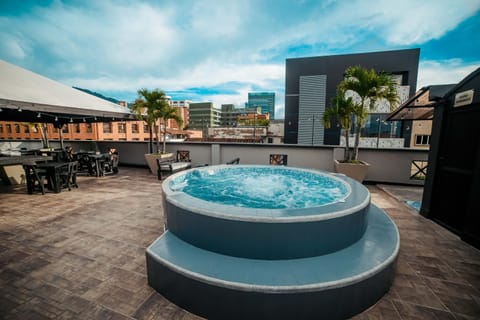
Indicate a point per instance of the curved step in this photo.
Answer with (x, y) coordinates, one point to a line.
(333, 286)
(268, 233)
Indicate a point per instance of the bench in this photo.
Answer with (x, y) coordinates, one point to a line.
(169, 164)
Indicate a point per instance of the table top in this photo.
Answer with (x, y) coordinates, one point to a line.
(6, 161)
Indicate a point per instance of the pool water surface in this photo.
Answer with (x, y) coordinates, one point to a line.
(262, 187)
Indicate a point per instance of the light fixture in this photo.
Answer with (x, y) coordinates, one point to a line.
(20, 109)
(71, 120)
(95, 118)
(84, 120)
(56, 118)
(39, 115)
(113, 119)
(1, 110)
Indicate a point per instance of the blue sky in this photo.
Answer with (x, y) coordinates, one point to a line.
(218, 51)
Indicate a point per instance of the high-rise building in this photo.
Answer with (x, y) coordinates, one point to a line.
(264, 100)
(203, 116)
(311, 83)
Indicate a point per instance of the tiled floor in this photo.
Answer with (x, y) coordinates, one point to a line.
(81, 255)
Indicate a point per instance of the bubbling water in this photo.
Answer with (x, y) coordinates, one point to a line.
(261, 187)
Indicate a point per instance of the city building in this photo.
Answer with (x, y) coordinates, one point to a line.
(311, 83)
(182, 107)
(229, 116)
(264, 100)
(203, 115)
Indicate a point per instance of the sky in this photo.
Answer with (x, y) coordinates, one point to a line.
(218, 51)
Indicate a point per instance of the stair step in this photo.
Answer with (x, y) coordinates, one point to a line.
(357, 275)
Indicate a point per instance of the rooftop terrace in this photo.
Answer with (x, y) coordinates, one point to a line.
(81, 255)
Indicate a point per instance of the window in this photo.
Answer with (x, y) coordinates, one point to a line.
(122, 128)
(35, 128)
(1, 128)
(145, 129)
(17, 128)
(9, 128)
(107, 127)
(88, 127)
(422, 140)
(65, 128)
(77, 127)
(26, 128)
(134, 128)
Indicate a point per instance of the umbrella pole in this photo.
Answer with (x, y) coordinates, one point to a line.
(60, 134)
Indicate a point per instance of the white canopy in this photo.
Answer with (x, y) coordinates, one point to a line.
(29, 97)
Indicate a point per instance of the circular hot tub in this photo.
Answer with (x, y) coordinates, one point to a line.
(265, 212)
(271, 242)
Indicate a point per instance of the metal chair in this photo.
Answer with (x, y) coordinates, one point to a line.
(234, 161)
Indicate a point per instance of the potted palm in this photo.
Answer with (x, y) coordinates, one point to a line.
(166, 114)
(151, 106)
(356, 96)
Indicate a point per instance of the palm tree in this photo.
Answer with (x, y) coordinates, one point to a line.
(149, 106)
(342, 109)
(366, 87)
(166, 114)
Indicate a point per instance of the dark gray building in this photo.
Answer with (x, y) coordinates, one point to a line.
(310, 84)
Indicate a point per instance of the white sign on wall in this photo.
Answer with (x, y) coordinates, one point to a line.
(463, 98)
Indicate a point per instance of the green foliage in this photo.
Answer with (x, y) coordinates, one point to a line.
(368, 86)
(151, 106)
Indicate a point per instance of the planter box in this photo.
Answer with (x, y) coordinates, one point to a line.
(357, 171)
(151, 159)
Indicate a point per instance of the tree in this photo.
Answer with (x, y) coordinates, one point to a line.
(342, 109)
(365, 87)
(149, 107)
(166, 114)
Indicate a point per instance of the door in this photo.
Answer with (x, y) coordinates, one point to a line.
(456, 193)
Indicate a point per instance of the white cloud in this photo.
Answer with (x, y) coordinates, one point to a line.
(121, 46)
(11, 47)
(444, 72)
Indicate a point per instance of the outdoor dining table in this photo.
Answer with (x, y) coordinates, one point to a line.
(54, 170)
(11, 171)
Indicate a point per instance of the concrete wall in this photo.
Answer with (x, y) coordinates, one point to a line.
(387, 165)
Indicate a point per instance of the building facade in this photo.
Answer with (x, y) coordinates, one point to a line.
(203, 116)
(310, 84)
(264, 100)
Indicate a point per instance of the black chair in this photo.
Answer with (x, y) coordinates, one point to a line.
(110, 163)
(68, 175)
(86, 164)
(35, 178)
(234, 161)
(278, 159)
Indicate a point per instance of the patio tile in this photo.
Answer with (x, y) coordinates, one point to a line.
(86, 259)
(420, 312)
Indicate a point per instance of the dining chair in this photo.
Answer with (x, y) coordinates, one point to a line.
(35, 177)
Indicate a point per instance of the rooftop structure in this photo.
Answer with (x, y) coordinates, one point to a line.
(310, 84)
